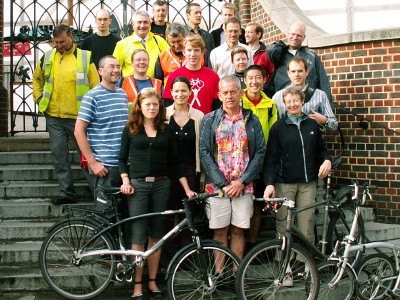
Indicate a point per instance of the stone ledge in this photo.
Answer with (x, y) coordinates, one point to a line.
(347, 38)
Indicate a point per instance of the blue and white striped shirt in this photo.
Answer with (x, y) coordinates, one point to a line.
(106, 111)
(319, 102)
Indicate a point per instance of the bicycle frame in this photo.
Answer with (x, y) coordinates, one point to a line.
(141, 256)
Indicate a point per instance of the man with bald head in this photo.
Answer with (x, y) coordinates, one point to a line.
(103, 42)
(317, 78)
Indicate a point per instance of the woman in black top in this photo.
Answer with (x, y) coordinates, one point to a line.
(150, 148)
(184, 123)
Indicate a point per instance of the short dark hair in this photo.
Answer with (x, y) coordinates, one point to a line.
(298, 60)
(103, 59)
(181, 79)
(61, 28)
(255, 67)
(160, 3)
(190, 5)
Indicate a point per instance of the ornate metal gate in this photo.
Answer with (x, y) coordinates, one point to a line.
(30, 25)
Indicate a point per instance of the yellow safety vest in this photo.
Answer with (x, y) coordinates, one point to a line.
(82, 79)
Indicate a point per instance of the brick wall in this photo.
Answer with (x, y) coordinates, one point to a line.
(365, 81)
(3, 91)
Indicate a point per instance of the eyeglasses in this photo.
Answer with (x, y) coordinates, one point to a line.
(141, 59)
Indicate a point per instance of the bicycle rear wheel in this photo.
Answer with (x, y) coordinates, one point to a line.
(372, 272)
(68, 277)
(344, 288)
(337, 230)
(186, 282)
(258, 275)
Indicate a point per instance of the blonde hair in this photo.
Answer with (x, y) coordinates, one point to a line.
(195, 40)
(137, 51)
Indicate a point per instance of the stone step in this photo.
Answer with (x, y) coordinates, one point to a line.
(19, 252)
(382, 232)
(38, 189)
(38, 142)
(33, 157)
(29, 281)
(11, 231)
(36, 208)
(34, 172)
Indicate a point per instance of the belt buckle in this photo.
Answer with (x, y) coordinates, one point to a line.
(150, 179)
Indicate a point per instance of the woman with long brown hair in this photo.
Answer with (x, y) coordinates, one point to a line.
(150, 149)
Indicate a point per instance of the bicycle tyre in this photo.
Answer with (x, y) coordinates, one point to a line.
(337, 231)
(344, 289)
(257, 276)
(83, 280)
(185, 280)
(371, 270)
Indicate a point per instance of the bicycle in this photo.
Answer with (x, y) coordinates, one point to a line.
(338, 278)
(263, 270)
(82, 254)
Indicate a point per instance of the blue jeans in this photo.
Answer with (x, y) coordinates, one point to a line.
(61, 132)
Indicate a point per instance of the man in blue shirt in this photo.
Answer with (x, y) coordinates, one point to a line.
(101, 119)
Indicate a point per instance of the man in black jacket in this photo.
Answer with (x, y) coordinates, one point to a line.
(317, 78)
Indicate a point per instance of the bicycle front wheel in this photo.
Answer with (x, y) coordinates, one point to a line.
(372, 273)
(344, 289)
(66, 275)
(258, 275)
(186, 278)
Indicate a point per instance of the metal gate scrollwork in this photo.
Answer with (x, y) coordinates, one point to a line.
(28, 32)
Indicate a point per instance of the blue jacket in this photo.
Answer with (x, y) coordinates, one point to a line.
(208, 149)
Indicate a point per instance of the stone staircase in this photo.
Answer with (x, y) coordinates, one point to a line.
(27, 184)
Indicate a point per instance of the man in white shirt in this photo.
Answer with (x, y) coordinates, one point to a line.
(220, 57)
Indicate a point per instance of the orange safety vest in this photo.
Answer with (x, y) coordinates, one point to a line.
(131, 89)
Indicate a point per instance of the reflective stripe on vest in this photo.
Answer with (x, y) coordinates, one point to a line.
(131, 88)
(82, 79)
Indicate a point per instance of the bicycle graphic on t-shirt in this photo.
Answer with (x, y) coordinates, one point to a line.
(197, 85)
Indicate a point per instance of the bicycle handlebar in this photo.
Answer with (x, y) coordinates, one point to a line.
(202, 197)
(365, 192)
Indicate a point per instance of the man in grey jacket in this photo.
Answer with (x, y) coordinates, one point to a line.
(317, 78)
(231, 149)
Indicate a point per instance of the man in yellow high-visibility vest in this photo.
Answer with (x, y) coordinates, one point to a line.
(62, 77)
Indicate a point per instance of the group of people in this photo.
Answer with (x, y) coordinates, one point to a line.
(179, 110)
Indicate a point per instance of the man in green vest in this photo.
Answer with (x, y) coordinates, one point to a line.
(62, 77)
